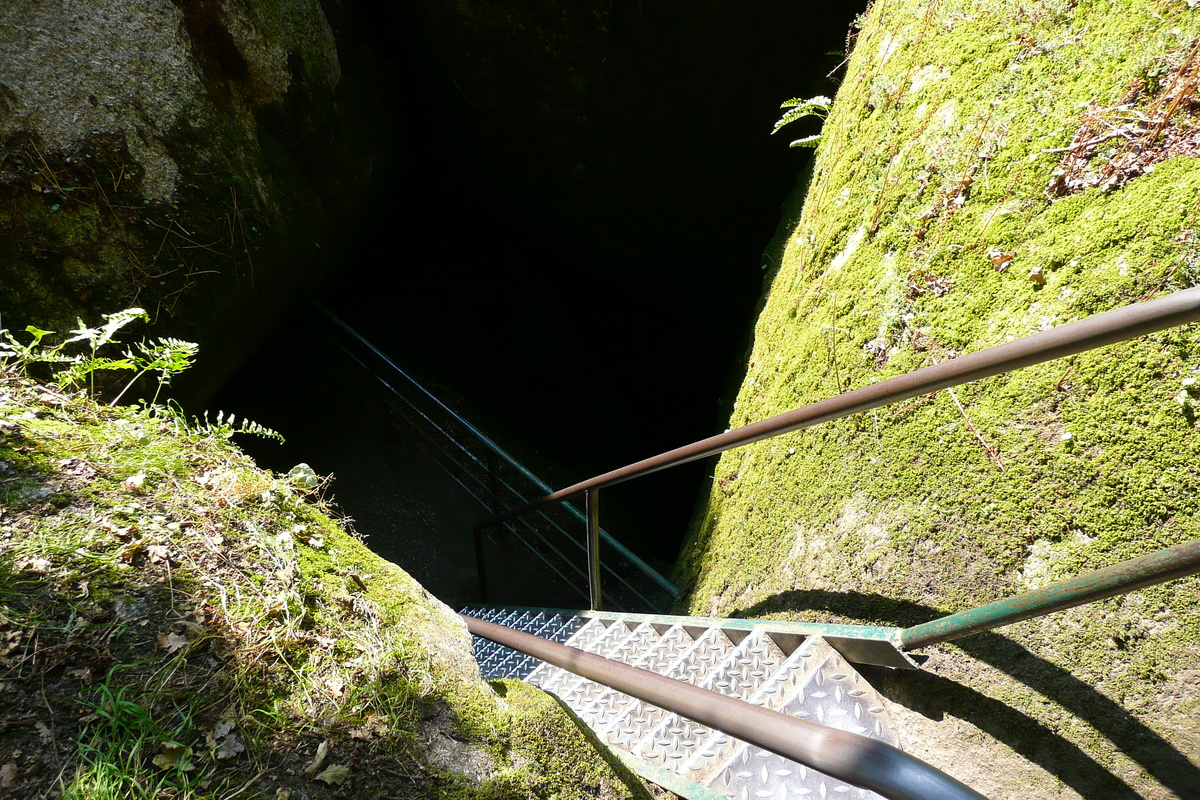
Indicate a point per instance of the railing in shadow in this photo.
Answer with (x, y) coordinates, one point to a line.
(559, 537)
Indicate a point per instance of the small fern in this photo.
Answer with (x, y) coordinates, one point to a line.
(799, 109)
(224, 427)
(166, 356)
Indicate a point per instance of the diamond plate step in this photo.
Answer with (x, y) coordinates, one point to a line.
(608, 711)
(675, 739)
(796, 674)
(497, 661)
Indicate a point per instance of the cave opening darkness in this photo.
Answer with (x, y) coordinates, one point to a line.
(565, 239)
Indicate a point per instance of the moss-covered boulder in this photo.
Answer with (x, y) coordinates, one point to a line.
(989, 170)
(185, 156)
(175, 622)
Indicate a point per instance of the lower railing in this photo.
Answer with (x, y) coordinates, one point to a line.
(1127, 576)
(555, 536)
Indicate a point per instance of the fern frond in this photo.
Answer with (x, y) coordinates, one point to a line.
(807, 141)
(226, 426)
(798, 109)
(82, 368)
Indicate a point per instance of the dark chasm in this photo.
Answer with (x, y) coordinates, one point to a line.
(566, 241)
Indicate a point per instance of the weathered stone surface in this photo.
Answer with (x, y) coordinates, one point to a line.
(165, 154)
(989, 170)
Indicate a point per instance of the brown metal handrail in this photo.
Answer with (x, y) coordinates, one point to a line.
(847, 756)
(1120, 324)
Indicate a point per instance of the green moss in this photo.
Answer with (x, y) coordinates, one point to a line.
(537, 727)
(920, 245)
(217, 599)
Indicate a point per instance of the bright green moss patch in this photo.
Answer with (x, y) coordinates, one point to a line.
(959, 200)
(175, 622)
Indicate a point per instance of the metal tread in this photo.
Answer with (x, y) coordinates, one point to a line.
(796, 674)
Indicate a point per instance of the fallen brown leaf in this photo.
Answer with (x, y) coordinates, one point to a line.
(336, 775)
(171, 642)
(312, 768)
(174, 755)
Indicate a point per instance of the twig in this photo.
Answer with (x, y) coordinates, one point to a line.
(993, 454)
(1058, 384)
(16, 723)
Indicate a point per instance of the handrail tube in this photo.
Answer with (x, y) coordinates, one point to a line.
(357, 337)
(546, 542)
(1098, 330)
(582, 547)
(478, 531)
(628, 554)
(847, 756)
(1127, 576)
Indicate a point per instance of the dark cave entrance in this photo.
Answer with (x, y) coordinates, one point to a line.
(566, 240)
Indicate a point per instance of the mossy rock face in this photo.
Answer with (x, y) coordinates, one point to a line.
(989, 170)
(182, 156)
(176, 622)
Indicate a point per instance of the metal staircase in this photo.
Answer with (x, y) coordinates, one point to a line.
(787, 687)
(794, 673)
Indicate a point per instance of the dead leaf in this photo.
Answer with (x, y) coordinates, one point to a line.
(131, 550)
(134, 482)
(10, 641)
(157, 553)
(336, 775)
(373, 725)
(224, 740)
(44, 733)
(174, 755)
(283, 793)
(8, 775)
(999, 258)
(1037, 275)
(322, 752)
(84, 674)
(171, 642)
(230, 747)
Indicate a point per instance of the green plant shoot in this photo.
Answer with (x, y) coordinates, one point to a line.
(799, 109)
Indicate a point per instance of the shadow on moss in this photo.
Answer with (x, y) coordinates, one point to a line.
(933, 696)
